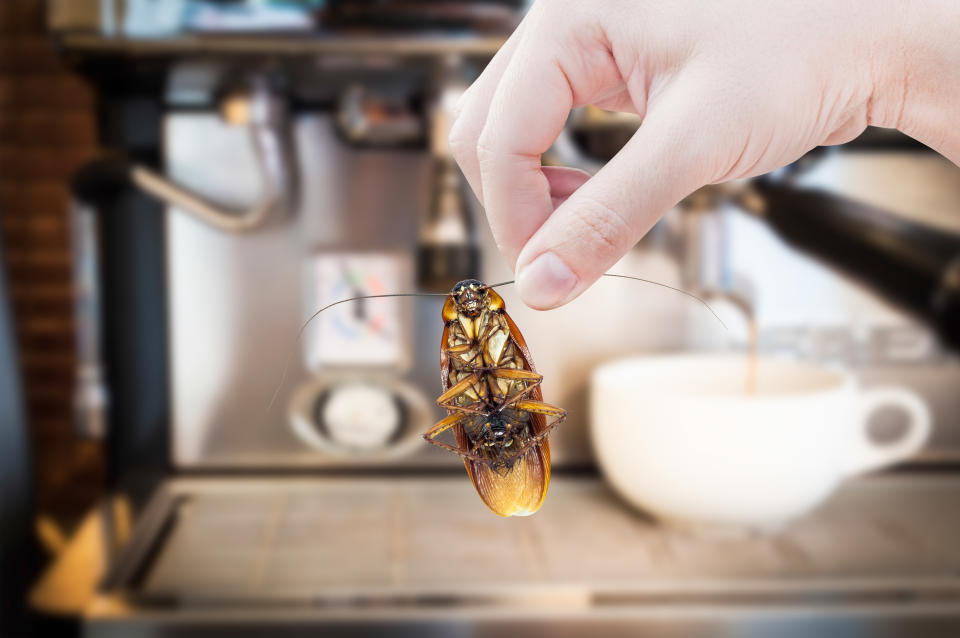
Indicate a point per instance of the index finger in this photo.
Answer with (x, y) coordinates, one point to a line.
(472, 112)
(527, 113)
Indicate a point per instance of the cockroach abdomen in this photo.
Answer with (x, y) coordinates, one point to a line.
(518, 492)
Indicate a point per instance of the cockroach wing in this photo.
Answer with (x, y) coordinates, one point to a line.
(519, 492)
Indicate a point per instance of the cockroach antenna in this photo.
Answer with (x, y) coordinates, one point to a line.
(296, 342)
(286, 367)
(647, 281)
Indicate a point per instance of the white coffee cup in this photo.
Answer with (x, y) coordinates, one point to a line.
(681, 437)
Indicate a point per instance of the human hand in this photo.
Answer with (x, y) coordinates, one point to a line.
(726, 90)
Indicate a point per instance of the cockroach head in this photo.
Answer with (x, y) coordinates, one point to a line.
(470, 296)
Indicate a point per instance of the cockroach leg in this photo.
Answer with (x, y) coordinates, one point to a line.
(460, 349)
(540, 437)
(473, 408)
(456, 352)
(458, 451)
(467, 409)
(459, 388)
(517, 374)
(539, 407)
(443, 425)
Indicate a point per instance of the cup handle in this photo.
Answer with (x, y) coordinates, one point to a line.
(871, 455)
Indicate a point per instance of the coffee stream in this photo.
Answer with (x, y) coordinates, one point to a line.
(751, 381)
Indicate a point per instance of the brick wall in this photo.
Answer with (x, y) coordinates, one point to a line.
(47, 129)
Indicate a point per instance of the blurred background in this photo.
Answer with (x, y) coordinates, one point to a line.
(184, 182)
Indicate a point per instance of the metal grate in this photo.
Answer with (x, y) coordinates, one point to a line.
(330, 541)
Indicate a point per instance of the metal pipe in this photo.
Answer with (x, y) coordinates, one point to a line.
(267, 121)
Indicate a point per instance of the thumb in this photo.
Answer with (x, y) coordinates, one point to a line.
(666, 160)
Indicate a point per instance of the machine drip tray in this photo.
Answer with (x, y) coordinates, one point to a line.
(884, 547)
(366, 540)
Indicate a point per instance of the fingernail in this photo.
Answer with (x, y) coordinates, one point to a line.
(545, 282)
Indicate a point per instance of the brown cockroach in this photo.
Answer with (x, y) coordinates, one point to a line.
(491, 391)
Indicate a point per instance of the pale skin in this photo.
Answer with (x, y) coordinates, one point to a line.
(726, 90)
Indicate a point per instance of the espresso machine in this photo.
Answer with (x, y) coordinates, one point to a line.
(269, 474)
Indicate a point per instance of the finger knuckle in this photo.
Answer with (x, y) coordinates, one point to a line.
(456, 110)
(462, 144)
(602, 226)
(486, 148)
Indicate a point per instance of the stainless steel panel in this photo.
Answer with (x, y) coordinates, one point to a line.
(236, 301)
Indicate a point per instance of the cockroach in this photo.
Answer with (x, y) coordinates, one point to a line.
(491, 391)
